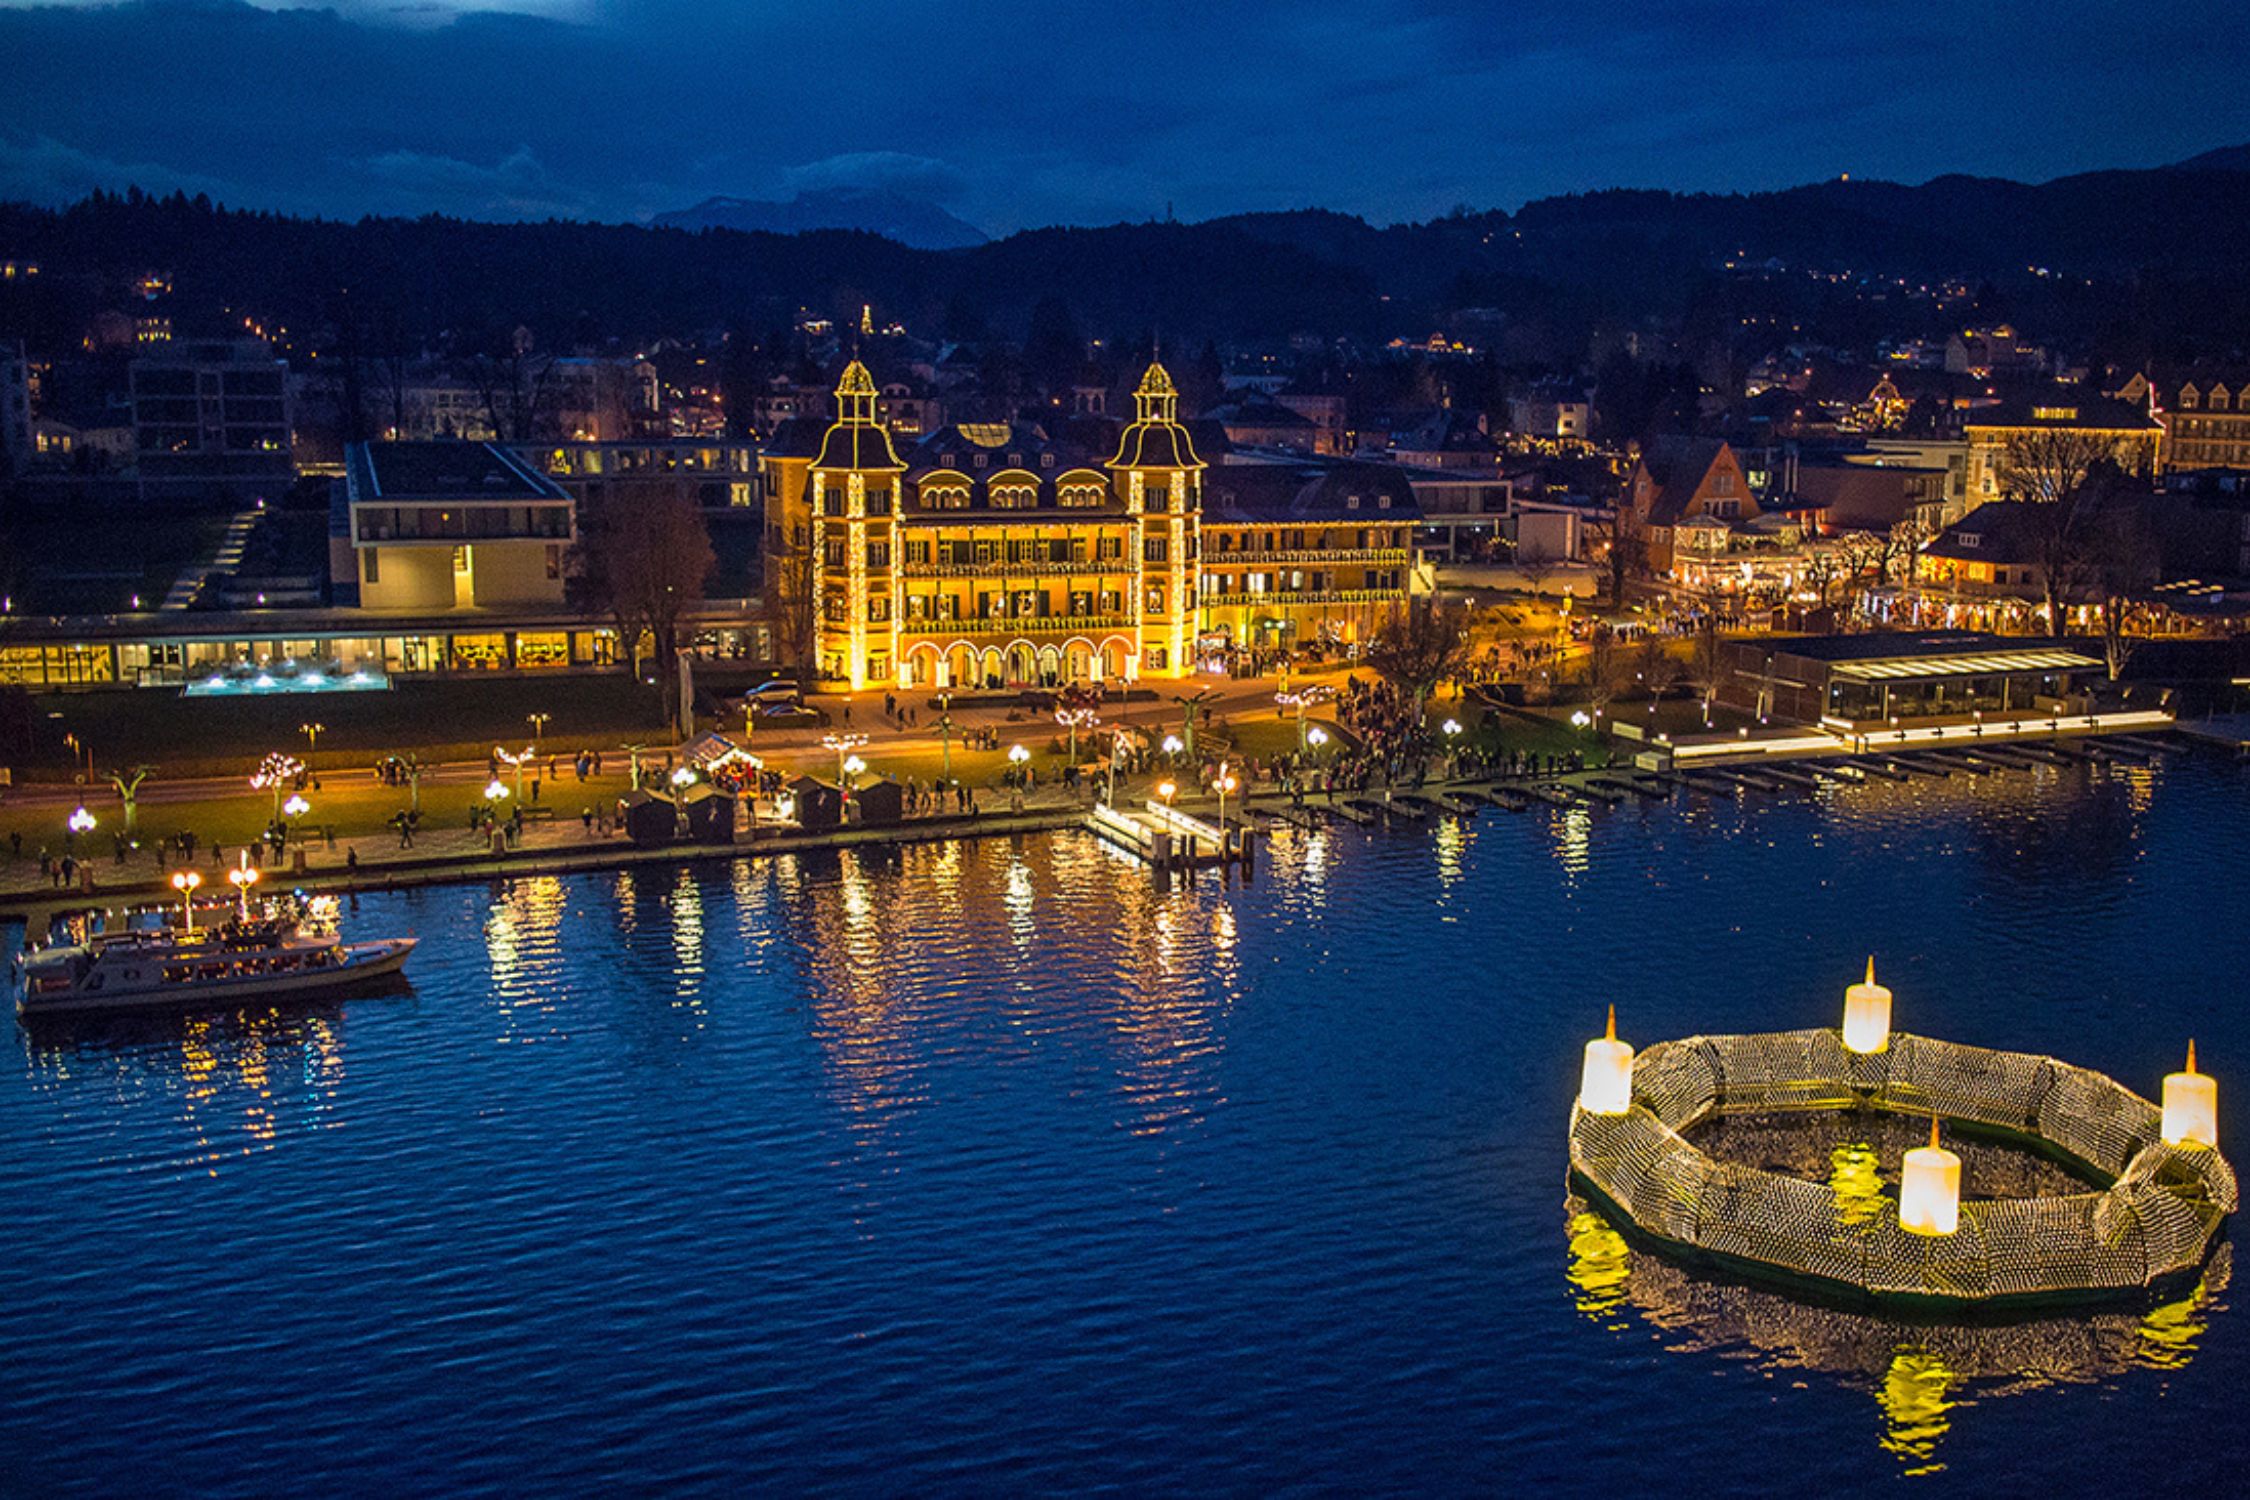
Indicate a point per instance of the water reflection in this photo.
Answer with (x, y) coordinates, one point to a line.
(1921, 1375)
(230, 1083)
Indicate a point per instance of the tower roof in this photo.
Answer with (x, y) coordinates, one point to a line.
(1155, 439)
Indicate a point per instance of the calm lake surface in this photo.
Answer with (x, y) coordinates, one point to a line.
(987, 1166)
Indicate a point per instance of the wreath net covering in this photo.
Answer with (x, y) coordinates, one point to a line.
(2156, 1219)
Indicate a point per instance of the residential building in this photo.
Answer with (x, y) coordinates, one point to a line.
(1681, 479)
(441, 526)
(1553, 413)
(2128, 431)
(1993, 552)
(2205, 413)
(211, 422)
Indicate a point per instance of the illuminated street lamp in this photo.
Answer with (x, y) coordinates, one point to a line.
(684, 776)
(295, 808)
(81, 821)
(495, 789)
(1316, 737)
(242, 877)
(1172, 744)
(1167, 791)
(1224, 782)
(852, 766)
(538, 723)
(312, 732)
(185, 882)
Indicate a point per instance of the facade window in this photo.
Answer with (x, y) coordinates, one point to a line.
(1156, 549)
(878, 502)
(879, 608)
(1046, 460)
(917, 607)
(878, 554)
(369, 570)
(1155, 601)
(832, 551)
(1152, 659)
(1111, 548)
(1014, 497)
(917, 551)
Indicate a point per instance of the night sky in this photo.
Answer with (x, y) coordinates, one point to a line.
(1026, 112)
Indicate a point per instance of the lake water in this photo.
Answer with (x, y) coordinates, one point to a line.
(978, 1166)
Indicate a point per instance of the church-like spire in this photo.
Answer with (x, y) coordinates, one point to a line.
(1155, 439)
(857, 439)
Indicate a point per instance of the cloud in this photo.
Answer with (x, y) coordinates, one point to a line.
(517, 187)
(893, 171)
(38, 169)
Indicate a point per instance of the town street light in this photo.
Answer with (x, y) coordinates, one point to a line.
(312, 733)
(945, 735)
(185, 882)
(538, 723)
(295, 808)
(242, 877)
(1316, 737)
(1225, 783)
(1167, 791)
(853, 765)
(495, 789)
(1116, 752)
(684, 776)
(1172, 745)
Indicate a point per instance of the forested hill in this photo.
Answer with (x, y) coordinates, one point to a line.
(2161, 248)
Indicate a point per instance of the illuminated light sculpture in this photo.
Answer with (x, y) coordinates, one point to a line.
(1867, 1014)
(82, 821)
(2191, 1106)
(276, 774)
(1929, 1188)
(185, 882)
(1075, 719)
(515, 762)
(843, 745)
(1605, 1082)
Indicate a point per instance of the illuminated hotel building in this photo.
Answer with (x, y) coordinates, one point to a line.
(993, 556)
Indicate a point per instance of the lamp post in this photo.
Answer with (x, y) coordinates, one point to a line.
(312, 732)
(1316, 737)
(1225, 783)
(843, 745)
(295, 808)
(1173, 745)
(852, 766)
(538, 723)
(185, 882)
(1018, 756)
(80, 822)
(1116, 752)
(1167, 791)
(945, 735)
(242, 877)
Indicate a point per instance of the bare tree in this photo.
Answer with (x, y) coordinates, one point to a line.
(1819, 571)
(642, 564)
(1900, 544)
(1657, 668)
(2124, 564)
(2064, 473)
(1536, 565)
(787, 602)
(1704, 666)
(1421, 646)
(1624, 552)
(1607, 669)
(513, 388)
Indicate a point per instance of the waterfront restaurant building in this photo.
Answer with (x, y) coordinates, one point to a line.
(1864, 683)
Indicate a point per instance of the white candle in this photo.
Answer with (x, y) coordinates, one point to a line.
(2191, 1106)
(1929, 1189)
(1606, 1085)
(1867, 1014)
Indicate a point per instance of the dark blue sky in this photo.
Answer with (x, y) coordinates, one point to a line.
(1026, 112)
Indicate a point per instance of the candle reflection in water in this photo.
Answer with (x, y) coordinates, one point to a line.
(1922, 1376)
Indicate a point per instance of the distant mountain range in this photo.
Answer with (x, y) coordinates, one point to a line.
(910, 221)
(2128, 263)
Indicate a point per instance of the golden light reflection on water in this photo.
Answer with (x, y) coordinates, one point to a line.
(523, 950)
(244, 1082)
(1917, 1399)
(1574, 839)
(1921, 1377)
(687, 941)
(1451, 844)
(1855, 1177)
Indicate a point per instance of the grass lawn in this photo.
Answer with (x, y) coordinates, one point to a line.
(453, 719)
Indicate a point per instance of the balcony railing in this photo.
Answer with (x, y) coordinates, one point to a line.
(1332, 596)
(998, 569)
(1025, 625)
(1214, 558)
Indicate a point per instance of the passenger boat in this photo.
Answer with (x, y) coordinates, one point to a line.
(277, 955)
